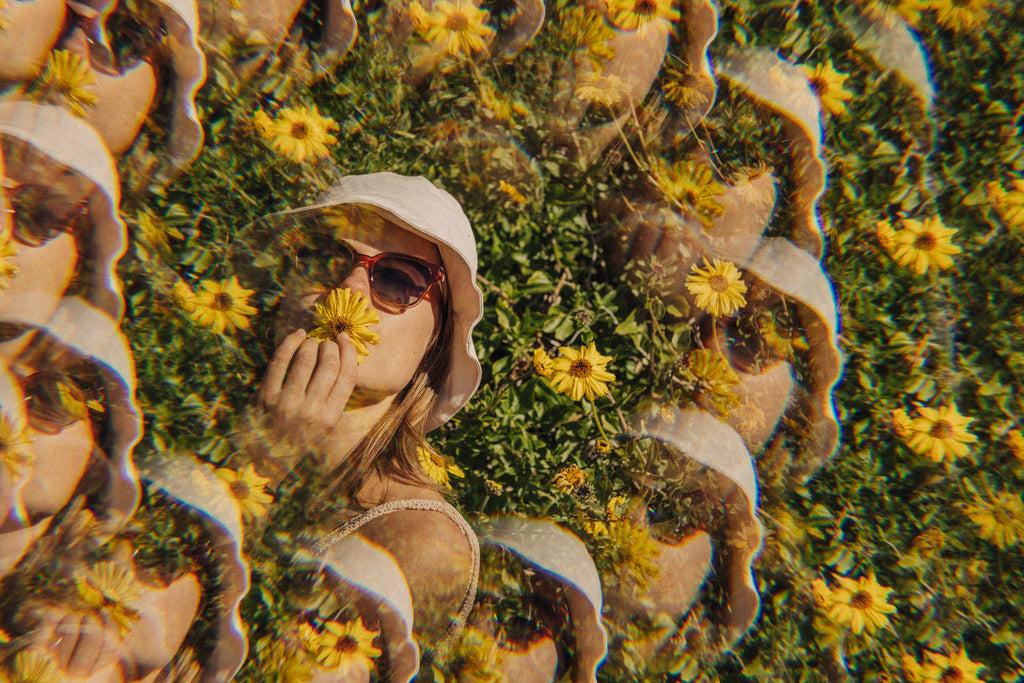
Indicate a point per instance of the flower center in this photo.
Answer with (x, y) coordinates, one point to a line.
(346, 644)
(340, 325)
(581, 368)
(300, 130)
(926, 241)
(457, 22)
(952, 675)
(239, 489)
(941, 430)
(718, 283)
(438, 460)
(223, 301)
(645, 8)
(861, 600)
(819, 85)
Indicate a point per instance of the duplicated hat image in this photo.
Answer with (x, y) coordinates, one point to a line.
(415, 204)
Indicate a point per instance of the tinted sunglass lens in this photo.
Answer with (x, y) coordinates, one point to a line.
(400, 281)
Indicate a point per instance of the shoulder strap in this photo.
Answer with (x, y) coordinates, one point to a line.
(421, 504)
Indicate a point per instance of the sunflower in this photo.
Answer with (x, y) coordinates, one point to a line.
(342, 647)
(70, 76)
(7, 250)
(14, 451)
(1009, 204)
(827, 83)
(223, 306)
(960, 14)
(921, 244)
(957, 668)
(633, 15)
(691, 187)
(570, 479)
(298, 133)
(542, 363)
(717, 287)
(860, 604)
(108, 587)
(459, 28)
(349, 312)
(437, 467)
(248, 488)
(595, 87)
(940, 434)
(1000, 520)
(581, 373)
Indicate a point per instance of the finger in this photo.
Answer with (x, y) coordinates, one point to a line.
(328, 363)
(345, 380)
(278, 367)
(293, 391)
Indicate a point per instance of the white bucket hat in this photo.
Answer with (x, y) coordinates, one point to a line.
(417, 205)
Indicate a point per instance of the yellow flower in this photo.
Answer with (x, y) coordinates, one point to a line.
(542, 363)
(108, 587)
(682, 88)
(886, 235)
(1000, 520)
(31, 666)
(298, 133)
(594, 86)
(7, 269)
(184, 296)
(1015, 440)
(631, 15)
(960, 14)
(603, 446)
(691, 187)
(263, 124)
(581, 373)
(588, 30)
(712, 376)
(1009, 204)
(500, 105)
(940, 434)
(248, 488)
(70, 75)
(459, 28)
(223, 306)
(14, 451)
(513, 194)
(823, 596)
(923, 244)
(570, 479)
(957, 668)
(902, 424)
(611, 509)
(633, 551)
(437, 467)
(344, 648)
(827, 83)
(493, 487)
(717, 287)
(860, 604)
(349, 312)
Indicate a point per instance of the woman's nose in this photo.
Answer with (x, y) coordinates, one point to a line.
(359, 281)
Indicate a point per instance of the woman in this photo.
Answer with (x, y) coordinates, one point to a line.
(407, 247)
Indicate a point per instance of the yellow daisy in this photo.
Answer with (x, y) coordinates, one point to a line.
(8, 271)
(860, 604)
(579, 373)
(603, 446)
(920, 244)
(902, 424)
(31, 666)
(827, 83)
(595, 87)
(632, 15)
(459, 28)
(223, 306)
(691, 187)
(437, 467)
(345, 648)
(1009, 204)
(184, 296)
(542, 363)
(570, 479)
(14, 451)
(713, 376)
(960, 14)
(717, 287)
(1000, 520)
(940, 434)
(70, 75)
(886, 235)
(299, 133)
(682, 88)
(248, 488)
(109, 587)
(513, 194)
(493, 487)
(349, 312)
(955, 668)
(633, 551)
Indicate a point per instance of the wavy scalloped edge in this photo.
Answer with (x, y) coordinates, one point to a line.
(525, 25)
(700, 436)
(786, 90)
(56, 133)
(341, 30)
(374, 572)
(548, 547)
(195, 484)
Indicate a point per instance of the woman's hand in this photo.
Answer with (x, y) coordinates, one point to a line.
(307, 386)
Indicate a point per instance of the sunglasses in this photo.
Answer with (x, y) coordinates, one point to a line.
(41, 214)
(396, 279)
